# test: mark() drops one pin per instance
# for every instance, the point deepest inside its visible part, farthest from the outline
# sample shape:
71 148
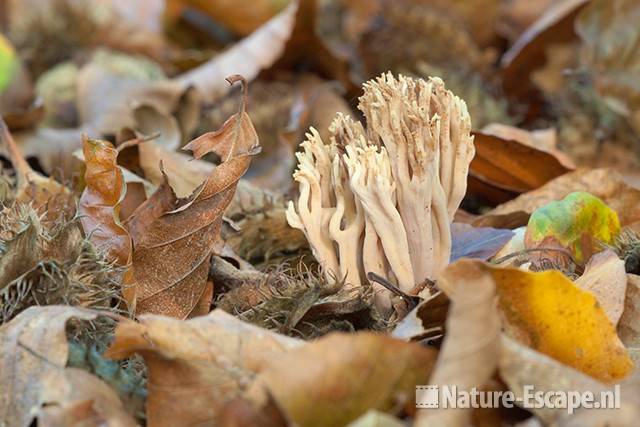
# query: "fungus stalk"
382 199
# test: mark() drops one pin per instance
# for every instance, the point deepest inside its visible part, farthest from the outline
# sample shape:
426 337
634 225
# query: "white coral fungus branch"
382 199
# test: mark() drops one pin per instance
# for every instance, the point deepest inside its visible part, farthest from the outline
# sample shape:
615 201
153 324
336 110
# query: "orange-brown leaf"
509 167
171 259
100 201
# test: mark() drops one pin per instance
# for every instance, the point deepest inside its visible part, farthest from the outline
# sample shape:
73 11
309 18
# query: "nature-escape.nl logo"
450 396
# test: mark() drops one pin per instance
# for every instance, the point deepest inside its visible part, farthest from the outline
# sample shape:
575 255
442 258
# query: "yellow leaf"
8 63
555 317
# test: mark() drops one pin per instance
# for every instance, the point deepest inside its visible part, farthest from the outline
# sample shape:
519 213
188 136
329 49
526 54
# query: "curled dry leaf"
183 171
336 379
606 184
115 92
33 356
503 168
248 57
467 356
198 365
171 260
101 199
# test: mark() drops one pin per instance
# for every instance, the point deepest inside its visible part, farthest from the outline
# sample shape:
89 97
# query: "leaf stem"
23 170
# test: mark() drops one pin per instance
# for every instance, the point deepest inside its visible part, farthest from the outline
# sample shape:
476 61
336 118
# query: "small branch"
17 159
411 301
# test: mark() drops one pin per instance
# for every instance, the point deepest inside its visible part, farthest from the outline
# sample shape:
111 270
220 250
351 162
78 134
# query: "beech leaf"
580 223
197 365
604 183
336 379
552 315
33 346
467 356
171 260
101 199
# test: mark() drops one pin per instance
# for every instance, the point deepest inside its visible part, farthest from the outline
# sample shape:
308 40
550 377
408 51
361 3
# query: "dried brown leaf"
629 325
198 365
33 346
605 278
336 379
467 356
101 200
606 184
34 188
241 20
171 260
509 167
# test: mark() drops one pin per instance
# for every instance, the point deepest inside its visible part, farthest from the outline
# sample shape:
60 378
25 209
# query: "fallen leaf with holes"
101 200
550 314
198 365
338 377
580 223
171 261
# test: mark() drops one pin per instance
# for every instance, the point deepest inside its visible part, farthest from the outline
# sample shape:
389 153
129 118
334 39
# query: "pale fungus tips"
381 198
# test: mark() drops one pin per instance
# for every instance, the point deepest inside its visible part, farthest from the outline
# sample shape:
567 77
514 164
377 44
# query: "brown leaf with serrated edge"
337 378
33 188
508 167
100 201
197 365
33 352
171 259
